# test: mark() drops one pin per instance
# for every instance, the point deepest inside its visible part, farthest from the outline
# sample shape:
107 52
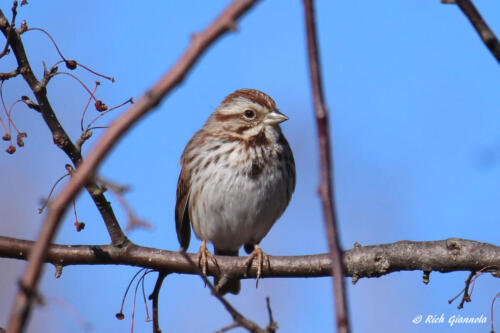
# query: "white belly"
232 209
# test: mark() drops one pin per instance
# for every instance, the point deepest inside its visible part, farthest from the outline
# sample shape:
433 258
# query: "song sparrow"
237 177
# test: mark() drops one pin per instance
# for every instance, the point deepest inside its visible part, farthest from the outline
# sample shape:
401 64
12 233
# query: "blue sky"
415 123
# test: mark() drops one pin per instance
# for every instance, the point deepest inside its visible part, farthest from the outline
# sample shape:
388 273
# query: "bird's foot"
203 255
261 257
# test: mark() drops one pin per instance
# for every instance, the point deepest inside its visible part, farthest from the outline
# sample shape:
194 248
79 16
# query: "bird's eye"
249 114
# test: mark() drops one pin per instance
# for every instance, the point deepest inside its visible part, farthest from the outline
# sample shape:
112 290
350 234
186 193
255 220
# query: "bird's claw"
261 257
203 255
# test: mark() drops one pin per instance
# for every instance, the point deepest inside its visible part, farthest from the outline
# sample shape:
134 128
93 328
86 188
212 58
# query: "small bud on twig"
100 106
59 269
23 28
11 150
20 137
29 103
79 226
71 64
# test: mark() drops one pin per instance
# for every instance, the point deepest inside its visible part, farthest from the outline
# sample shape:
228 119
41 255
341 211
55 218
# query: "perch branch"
449 255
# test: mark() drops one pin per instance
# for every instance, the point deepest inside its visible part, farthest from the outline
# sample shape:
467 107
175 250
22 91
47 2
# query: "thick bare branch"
226 21
449 255
326 185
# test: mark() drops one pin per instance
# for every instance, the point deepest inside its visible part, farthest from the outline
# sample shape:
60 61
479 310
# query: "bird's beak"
274 118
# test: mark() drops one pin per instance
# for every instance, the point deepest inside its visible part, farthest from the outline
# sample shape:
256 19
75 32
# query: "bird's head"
246 113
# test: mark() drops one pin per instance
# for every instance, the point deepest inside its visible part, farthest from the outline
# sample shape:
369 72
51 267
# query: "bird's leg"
261 256
203 255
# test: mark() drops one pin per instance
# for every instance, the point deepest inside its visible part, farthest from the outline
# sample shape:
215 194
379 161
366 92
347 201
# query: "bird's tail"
232 286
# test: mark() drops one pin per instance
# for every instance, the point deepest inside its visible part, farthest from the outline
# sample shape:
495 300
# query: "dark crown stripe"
253 95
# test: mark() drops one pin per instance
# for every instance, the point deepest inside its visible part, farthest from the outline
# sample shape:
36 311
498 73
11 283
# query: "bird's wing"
181 209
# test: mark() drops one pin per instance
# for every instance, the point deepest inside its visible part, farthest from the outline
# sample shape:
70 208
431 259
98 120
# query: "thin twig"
485 33
120 315
46 201
139 282
88 103
21 308
12 24
237 316
11 122
6 134
20 135
72 311
8 75
4 107
132 220
79 226
478 274
228 327
51 39
115 187
154 297
148 319
130 100
112 79
97 127
48 74
491 312
273 325
464 292
91 94
326 185
7 131
71 64
118 191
